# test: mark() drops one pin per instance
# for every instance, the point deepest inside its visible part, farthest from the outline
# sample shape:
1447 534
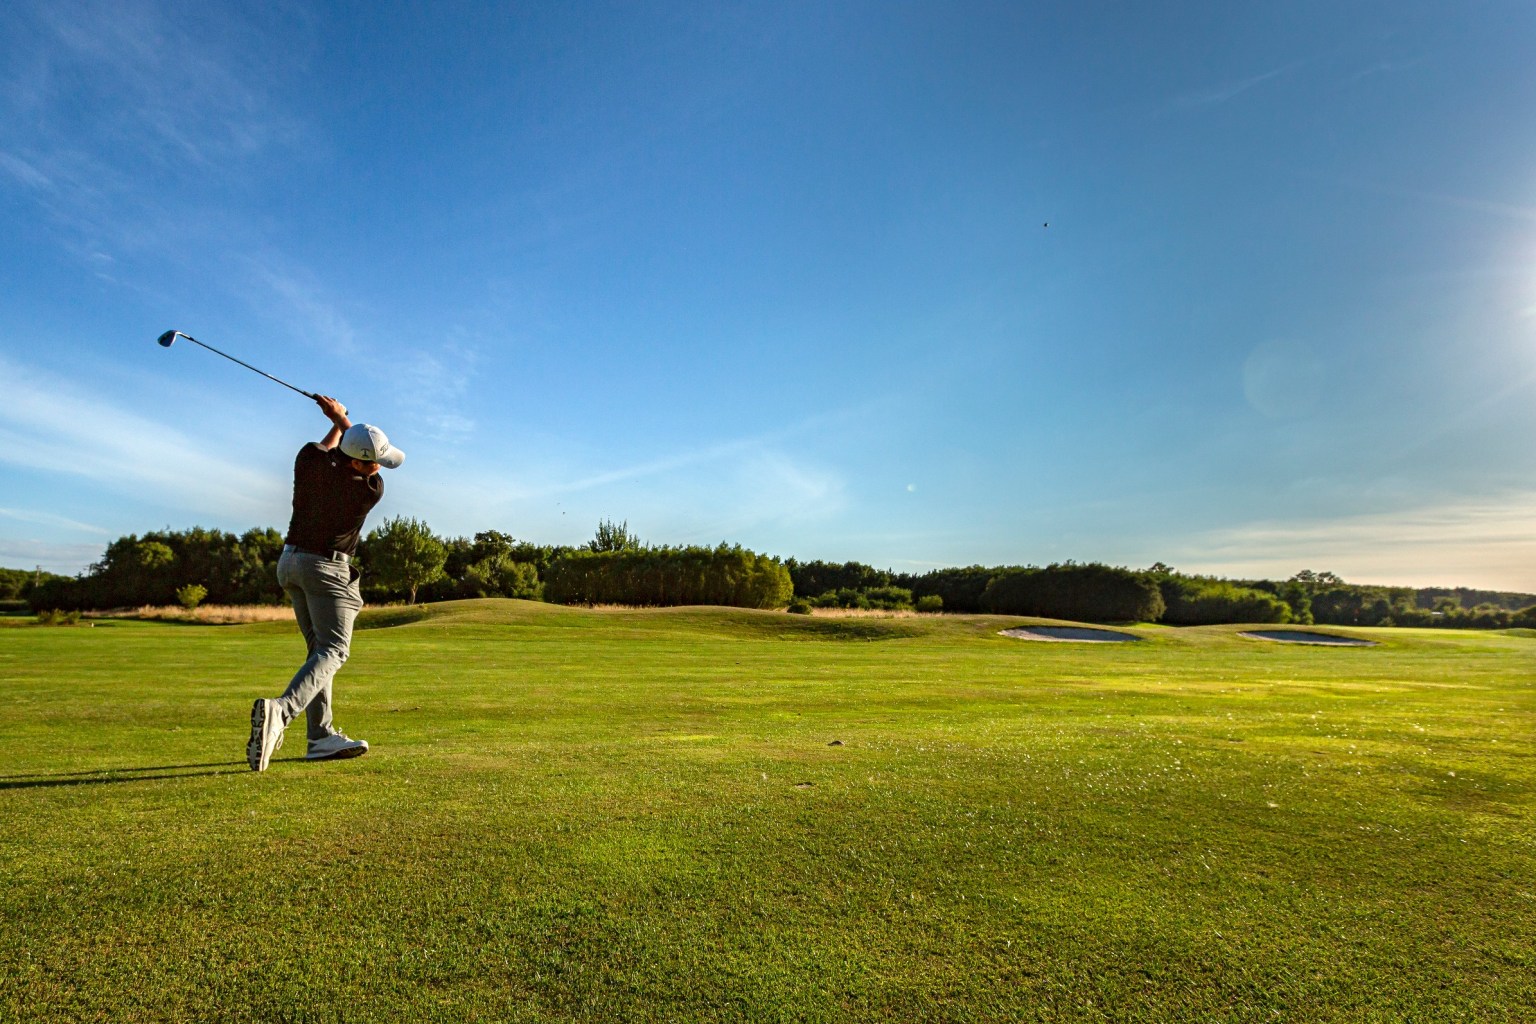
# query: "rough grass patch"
206 615
864 613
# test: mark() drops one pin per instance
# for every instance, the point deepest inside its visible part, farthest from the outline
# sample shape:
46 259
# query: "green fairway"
711 815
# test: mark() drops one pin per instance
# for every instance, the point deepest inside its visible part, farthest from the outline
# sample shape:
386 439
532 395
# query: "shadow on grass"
37 780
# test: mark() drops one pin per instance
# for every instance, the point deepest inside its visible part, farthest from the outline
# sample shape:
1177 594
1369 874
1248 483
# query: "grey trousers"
326 599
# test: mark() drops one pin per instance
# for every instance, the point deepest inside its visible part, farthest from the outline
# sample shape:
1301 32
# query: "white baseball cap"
367 443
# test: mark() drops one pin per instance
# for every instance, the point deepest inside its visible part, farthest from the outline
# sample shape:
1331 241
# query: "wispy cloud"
178 88
301 302
1387 67
1505 211
706 493
1225 92
1489 542
48 424
428 384
771 486
1489 207
115 107
663 466
431 386
22 515
24 172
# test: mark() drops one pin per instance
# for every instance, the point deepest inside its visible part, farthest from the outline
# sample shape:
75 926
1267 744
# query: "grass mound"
391 616
692 620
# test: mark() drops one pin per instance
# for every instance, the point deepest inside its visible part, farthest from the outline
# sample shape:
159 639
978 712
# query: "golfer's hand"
334 411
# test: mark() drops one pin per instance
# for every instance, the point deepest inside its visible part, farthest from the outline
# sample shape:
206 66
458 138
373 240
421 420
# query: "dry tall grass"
824 613
208 614
234 614
866 613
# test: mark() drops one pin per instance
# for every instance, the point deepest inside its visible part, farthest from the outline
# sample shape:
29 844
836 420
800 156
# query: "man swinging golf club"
335 484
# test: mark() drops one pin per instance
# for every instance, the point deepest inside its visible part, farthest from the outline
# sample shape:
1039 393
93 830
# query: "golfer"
335 484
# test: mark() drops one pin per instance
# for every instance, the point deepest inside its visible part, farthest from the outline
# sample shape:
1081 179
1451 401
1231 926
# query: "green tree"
812 579
152 555
406 555
614 538
253 577
490 543
1082 593
960 589
460 554
1201 600
1316 580
660 577
1300 600
500 576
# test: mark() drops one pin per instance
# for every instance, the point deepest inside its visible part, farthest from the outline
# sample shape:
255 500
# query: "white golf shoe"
266 734
335 747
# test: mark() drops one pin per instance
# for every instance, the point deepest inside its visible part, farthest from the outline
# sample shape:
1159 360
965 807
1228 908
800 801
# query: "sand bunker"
1070 634
1296 636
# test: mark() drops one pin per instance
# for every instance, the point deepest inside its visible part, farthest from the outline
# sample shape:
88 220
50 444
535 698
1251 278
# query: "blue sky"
781 275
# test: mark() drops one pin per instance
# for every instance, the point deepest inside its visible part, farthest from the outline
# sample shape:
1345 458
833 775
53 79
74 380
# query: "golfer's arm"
337 414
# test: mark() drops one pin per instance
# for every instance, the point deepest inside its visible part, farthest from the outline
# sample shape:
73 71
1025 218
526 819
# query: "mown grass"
710 815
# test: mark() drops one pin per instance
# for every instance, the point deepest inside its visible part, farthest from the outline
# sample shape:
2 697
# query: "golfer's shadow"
101 776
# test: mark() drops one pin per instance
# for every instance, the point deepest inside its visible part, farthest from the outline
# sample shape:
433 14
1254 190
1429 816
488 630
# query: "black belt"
339 556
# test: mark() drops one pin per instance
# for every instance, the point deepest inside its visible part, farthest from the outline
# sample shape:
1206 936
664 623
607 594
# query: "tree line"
17 585
135 570
666 576
404 560
1098 593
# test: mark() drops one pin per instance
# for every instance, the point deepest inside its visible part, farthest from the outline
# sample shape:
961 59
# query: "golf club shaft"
248 366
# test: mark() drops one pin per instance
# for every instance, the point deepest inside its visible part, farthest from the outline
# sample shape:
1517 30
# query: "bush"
961 590
930 603
660 577
55 617
816 578
1490 616
191 595
844 598
889 598
1197 602
1080 593
799 606
500 576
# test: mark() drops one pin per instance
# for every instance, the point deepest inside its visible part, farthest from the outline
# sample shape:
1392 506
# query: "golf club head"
167 338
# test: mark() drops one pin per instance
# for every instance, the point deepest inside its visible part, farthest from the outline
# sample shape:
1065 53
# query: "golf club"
169 337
